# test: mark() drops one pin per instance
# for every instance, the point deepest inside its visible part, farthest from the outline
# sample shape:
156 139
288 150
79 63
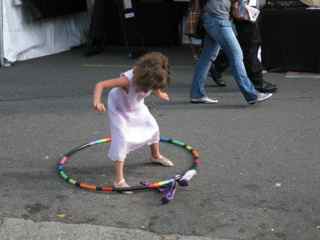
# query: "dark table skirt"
291 39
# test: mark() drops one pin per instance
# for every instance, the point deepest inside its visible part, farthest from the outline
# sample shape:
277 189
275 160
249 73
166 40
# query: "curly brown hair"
151 72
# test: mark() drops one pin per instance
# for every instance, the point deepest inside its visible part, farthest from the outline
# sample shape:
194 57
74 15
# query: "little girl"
131 123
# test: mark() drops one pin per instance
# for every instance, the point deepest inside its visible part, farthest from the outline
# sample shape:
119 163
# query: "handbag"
194 27
240 10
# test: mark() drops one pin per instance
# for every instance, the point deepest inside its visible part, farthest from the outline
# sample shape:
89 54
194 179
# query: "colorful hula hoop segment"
182 179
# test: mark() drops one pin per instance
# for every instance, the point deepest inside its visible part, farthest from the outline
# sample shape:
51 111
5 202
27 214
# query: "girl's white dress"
131 123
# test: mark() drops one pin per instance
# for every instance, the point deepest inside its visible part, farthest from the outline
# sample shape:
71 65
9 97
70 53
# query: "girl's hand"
99 107
162 95
100 86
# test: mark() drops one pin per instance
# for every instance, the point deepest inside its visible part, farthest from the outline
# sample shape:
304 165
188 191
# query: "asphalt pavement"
259 177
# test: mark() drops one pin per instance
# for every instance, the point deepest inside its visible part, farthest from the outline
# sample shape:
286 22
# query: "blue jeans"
220 35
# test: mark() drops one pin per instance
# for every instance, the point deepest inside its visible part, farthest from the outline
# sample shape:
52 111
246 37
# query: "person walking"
216 21
250 40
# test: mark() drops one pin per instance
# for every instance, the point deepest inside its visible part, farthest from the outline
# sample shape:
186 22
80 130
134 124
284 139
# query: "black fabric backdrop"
46 9
291 39
156 22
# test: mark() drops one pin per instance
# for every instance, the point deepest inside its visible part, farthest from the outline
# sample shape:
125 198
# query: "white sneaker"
162 160
261 97
204 99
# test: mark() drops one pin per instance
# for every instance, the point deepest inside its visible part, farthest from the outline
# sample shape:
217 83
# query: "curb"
16 229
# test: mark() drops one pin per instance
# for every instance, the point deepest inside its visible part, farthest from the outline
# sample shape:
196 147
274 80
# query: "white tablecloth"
25 39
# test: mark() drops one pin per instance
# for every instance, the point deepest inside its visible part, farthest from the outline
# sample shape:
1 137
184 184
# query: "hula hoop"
167 186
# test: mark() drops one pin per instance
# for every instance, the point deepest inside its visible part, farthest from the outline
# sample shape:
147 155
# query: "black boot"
93 48
266 87
216 77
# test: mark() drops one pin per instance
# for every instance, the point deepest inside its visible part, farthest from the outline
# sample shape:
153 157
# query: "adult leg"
217 68
221 30
97 31
250 40
210 51
104 26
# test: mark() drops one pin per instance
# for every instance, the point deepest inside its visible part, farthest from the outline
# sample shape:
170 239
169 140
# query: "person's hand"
164 96
99 107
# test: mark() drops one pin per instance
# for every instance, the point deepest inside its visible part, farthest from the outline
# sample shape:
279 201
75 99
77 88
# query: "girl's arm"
100 86
162 95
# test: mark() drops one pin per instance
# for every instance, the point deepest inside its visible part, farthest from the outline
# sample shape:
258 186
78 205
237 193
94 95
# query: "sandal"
122 184
163 161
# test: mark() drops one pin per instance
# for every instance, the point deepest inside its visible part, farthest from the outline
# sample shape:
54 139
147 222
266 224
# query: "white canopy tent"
1 34
23 39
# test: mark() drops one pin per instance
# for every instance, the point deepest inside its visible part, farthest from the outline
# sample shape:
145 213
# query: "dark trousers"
250 40
105 14
110 27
